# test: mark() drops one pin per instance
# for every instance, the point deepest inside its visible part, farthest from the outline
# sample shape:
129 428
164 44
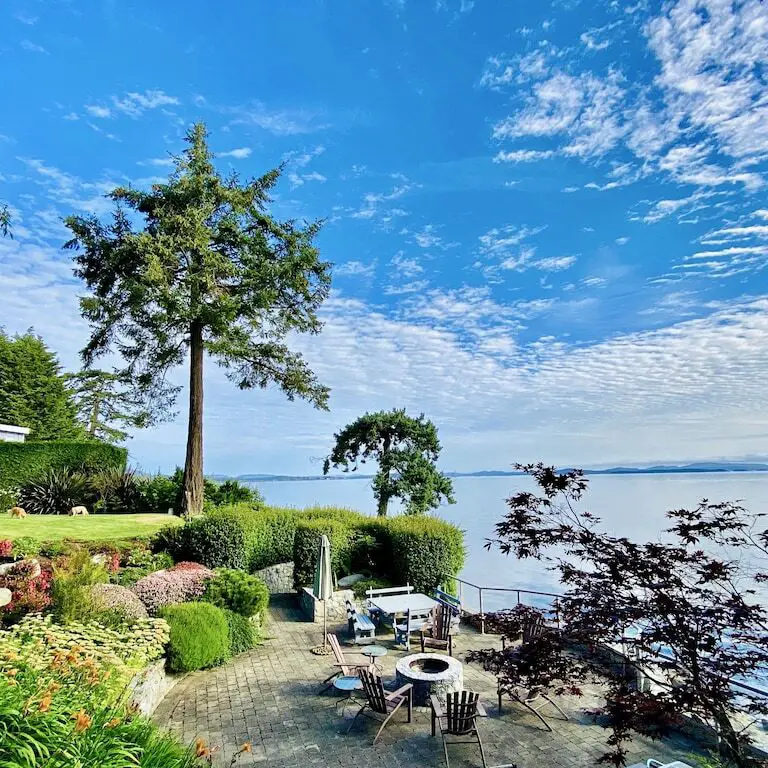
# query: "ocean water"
629 505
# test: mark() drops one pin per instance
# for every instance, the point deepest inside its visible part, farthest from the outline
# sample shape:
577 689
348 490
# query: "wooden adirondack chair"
343 665
459 718
528 698
380 702
438 632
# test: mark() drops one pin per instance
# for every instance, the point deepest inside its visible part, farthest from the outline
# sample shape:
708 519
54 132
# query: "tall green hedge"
307 542
21 462
423 551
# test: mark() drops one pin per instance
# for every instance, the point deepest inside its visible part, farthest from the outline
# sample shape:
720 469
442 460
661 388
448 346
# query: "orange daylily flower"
45 702
83 721
201 750
113 723
12 672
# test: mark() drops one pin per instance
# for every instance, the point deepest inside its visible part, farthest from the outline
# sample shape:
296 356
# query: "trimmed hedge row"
22 462
422 551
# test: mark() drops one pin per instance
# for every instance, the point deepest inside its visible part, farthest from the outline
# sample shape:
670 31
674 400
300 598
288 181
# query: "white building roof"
14 430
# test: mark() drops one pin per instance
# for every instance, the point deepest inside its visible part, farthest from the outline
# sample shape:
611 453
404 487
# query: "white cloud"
94 110
241 153
24 19
622 240
428 237
135 104
354 268
596 39
280 122
374 205
71 116
159 162
505 248
405 267
522 156
555 263
28 45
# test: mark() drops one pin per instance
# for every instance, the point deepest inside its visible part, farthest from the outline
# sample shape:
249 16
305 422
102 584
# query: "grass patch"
91 528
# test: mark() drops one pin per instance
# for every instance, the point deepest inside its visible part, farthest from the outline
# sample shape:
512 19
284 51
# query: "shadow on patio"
269 697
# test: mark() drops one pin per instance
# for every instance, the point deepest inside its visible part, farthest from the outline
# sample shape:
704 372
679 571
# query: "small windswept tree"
692 605
108 404
198 267
5 220
406 450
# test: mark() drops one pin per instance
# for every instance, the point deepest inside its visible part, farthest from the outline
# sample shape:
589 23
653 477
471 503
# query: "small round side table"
347 684
374 652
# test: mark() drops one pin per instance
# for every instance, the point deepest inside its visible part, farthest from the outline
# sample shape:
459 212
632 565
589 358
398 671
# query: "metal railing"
555 609
518 592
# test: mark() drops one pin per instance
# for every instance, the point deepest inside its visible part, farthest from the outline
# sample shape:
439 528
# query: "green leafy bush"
231 492
425 551
118 492
55 492
243 633
161 492
22 462
214 541
25 547
9 497
199 636
238 591
71 597
361 587
306 544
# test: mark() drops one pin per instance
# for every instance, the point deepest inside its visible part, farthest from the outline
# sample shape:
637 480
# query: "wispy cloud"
28 45
24 19
135 104
279 121
96 110
241 153
522 156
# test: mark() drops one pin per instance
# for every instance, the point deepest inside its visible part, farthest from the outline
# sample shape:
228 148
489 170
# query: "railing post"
461 596
482 615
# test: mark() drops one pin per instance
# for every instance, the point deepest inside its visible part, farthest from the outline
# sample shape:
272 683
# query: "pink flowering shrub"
30 593
176 585
6 547
186 565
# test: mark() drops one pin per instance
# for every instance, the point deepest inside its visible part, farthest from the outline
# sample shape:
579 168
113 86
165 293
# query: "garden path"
269 697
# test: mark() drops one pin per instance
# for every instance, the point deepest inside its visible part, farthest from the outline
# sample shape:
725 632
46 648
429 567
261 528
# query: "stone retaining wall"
336 606
148 687
278 578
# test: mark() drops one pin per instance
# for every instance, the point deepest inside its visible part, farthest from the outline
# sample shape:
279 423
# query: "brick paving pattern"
269 697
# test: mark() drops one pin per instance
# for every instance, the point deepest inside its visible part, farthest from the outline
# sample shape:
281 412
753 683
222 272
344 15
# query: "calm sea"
630 505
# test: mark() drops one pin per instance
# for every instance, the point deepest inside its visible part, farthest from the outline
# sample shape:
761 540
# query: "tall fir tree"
33 391
108 404
208 273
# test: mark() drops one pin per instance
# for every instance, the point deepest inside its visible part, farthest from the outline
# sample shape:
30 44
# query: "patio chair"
343 665
380 702
462 708
437 632
405 627
528 699
361 628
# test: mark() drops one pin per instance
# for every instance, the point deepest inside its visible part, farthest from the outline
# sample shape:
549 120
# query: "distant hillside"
658 469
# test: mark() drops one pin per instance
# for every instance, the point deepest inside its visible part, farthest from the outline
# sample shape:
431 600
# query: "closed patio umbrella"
323 586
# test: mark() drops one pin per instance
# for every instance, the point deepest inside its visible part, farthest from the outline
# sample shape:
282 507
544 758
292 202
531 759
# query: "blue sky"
549 220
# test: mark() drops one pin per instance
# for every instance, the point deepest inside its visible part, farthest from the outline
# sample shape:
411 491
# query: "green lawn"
51 527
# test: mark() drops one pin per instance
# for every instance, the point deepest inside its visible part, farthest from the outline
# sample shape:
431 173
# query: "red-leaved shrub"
176 585
6 547
29 594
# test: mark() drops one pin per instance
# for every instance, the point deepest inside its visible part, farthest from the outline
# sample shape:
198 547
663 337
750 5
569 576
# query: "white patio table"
396 605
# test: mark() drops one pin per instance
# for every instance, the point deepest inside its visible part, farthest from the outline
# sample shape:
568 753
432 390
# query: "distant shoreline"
658 470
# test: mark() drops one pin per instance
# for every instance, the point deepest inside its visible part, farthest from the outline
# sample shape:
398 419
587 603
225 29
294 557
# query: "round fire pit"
430 673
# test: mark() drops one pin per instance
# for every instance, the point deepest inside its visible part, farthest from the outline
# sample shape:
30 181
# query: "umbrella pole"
325 623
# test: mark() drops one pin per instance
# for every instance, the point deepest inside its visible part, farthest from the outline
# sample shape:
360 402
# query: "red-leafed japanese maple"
694 595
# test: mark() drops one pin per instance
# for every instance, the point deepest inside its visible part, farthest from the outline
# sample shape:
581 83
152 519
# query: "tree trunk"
193 466
385 468
94 422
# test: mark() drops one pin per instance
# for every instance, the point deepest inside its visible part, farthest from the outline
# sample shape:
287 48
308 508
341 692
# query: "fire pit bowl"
429 673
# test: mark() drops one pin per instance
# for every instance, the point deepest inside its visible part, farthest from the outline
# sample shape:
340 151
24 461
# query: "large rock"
36 570
278 578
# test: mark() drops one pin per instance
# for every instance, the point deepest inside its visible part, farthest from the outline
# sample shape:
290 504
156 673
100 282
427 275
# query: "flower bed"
183 582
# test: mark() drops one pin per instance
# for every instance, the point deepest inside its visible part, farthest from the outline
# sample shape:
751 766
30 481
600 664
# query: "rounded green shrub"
216 542
425 551
243 634
238 591
199 636
306 544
